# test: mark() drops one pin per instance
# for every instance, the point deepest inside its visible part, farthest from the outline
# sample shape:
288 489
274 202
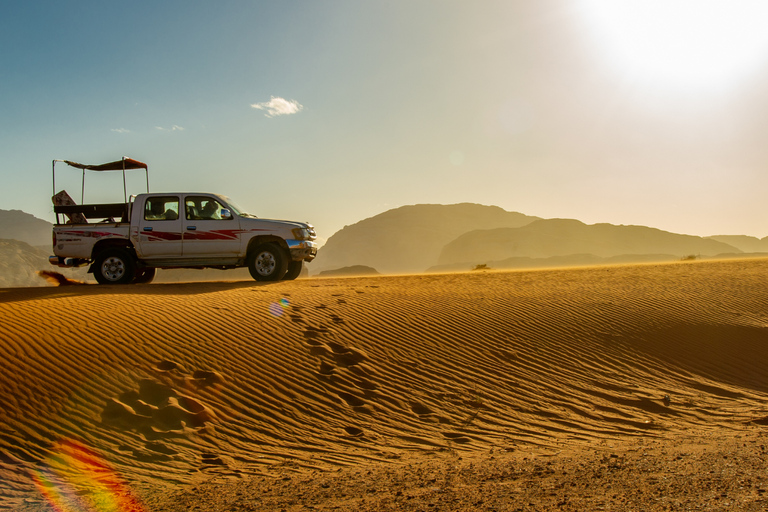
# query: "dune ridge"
172 384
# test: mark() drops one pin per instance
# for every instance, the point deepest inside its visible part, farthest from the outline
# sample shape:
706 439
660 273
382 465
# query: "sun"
693 45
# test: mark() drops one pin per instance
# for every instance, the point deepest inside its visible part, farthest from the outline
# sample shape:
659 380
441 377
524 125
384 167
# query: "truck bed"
116 211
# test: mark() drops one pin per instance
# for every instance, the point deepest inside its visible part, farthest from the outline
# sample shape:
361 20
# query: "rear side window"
162 208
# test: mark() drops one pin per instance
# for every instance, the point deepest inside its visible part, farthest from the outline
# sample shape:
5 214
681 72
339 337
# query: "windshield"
236 209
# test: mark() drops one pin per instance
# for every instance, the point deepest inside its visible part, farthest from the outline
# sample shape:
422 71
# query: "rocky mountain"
409 238
17 225
567 237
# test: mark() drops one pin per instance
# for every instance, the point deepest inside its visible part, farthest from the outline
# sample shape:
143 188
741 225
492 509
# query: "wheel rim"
265 263
113 268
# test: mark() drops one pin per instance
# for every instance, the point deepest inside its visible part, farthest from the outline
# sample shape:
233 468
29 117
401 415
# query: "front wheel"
267 262
114 266
294 269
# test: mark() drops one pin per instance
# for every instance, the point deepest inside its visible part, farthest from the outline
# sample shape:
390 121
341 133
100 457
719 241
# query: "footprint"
351 400
210 459
345 356
317 349
366 384
175 414
156 409
420 409
154 393
168 366
123 415
354 431
314 332
337 348
326 369
457 437
505 355
160 448
203 378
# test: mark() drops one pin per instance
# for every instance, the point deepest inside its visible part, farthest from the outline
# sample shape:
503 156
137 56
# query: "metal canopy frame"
123 165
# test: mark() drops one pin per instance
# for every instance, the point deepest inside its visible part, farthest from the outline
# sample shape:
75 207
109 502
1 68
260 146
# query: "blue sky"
527 105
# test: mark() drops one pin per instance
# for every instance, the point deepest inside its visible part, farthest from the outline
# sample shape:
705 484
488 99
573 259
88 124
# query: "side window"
203 208
161 208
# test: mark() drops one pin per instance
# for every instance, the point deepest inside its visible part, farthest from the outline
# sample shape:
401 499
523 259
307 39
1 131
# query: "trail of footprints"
347 370
338 365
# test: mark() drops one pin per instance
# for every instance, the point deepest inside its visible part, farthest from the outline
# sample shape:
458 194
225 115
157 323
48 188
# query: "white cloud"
174 128
120 130
279 107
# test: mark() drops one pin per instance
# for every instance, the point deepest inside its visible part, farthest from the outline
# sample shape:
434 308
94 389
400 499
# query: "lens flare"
77 479
278 308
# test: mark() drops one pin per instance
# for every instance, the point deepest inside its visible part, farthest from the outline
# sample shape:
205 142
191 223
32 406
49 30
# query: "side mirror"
225 214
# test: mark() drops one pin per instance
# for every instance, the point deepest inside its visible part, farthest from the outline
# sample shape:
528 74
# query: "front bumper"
302 249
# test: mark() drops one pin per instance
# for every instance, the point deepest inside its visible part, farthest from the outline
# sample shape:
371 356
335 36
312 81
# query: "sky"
334 111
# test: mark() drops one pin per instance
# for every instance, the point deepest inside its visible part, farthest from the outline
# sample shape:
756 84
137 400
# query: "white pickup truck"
125 242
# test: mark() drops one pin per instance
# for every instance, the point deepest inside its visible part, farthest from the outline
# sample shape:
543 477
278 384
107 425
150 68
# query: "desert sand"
609 388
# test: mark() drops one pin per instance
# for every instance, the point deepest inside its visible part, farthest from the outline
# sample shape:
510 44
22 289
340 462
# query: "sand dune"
122 395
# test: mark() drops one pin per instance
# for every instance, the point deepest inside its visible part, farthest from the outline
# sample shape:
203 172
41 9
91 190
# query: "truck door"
160 228
207 233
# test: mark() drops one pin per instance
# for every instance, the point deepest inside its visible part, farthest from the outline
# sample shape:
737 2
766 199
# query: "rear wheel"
144 276
294 270
114 266
267 262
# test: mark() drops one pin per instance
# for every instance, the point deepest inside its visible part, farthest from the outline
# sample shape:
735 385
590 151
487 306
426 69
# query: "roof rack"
123 164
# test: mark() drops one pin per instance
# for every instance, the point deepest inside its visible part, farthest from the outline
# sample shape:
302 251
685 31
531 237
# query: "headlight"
301 233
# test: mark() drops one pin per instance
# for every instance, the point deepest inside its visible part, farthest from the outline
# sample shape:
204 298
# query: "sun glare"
688 44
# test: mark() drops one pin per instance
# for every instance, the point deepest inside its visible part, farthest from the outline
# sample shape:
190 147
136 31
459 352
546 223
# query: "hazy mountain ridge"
409 238
743 243
533 243
18 225
19 263
564 237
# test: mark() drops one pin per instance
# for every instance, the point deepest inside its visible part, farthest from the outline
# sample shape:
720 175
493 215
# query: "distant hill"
743 243
566 237
355 270
19 263
409 238
17 225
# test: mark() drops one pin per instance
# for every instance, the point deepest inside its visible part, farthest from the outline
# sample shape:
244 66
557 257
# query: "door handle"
147 228
191 228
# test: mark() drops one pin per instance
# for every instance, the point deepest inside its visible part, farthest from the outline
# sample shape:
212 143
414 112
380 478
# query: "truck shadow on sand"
65 287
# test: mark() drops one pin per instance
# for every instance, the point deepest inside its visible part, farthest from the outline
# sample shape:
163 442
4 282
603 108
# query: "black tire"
114 266
294 270
268 262
144 276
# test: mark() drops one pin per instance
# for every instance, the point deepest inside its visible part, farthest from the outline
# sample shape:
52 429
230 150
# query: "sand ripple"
170 383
